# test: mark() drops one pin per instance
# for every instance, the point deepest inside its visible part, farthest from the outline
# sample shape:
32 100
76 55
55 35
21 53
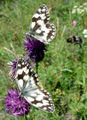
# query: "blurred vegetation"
63 72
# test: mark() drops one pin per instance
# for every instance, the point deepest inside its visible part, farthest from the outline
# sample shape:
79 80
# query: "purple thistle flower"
16 105
13 69
35 49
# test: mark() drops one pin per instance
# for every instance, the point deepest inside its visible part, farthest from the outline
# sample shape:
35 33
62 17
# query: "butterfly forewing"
28 84
25 73
40 28
41 14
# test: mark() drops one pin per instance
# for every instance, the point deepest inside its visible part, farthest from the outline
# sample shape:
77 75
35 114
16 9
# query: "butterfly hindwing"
40 28
40 99
28 84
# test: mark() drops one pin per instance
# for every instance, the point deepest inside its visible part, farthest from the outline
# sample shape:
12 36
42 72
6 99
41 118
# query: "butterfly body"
40 28
29 86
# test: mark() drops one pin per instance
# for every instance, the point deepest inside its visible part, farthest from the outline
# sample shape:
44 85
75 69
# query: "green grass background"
63 72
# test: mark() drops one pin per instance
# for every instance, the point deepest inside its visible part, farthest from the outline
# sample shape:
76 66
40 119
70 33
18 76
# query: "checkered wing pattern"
28 84
40 28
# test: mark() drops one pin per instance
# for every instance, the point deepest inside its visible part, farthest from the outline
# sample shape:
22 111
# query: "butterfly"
29 85
40 28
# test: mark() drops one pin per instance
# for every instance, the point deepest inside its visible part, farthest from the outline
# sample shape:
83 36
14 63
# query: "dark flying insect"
75 40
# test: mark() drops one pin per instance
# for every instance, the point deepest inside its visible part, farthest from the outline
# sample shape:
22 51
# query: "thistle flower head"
35 49
16 105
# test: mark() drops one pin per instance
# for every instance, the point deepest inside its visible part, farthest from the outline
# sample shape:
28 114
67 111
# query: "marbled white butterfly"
29 86
40 28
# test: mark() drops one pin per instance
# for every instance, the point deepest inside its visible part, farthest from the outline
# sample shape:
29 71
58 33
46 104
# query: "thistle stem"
26 117
16 118
37 68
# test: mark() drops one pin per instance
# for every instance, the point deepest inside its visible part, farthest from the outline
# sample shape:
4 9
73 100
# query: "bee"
75 40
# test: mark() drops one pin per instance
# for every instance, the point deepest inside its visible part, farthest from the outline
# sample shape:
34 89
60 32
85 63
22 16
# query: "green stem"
25 117
82 61
37 68
16 118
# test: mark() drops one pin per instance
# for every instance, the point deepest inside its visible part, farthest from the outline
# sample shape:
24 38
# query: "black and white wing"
40 28
28 84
